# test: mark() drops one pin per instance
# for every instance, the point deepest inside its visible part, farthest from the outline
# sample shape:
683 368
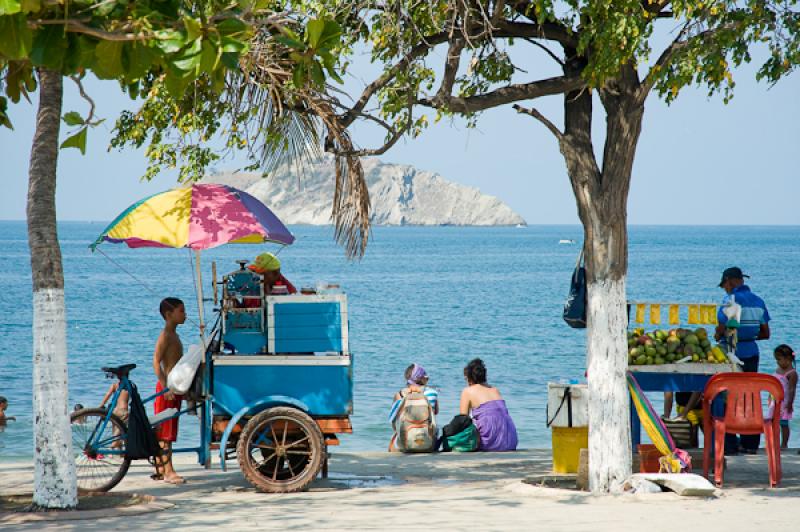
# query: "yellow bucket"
567 445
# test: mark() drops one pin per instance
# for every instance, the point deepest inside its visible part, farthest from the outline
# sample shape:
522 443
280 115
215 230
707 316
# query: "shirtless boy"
167 353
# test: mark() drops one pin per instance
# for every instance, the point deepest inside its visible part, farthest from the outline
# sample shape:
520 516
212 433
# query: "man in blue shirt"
753 326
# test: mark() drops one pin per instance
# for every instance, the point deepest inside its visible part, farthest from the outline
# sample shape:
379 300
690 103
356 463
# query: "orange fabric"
743 415
166 430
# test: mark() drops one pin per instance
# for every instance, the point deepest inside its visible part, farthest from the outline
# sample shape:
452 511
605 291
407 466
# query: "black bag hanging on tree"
575 307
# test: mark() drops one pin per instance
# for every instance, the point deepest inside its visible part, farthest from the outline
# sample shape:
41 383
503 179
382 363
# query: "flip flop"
157 476
175 480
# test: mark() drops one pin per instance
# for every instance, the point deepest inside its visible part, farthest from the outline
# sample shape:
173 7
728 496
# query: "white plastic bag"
180 378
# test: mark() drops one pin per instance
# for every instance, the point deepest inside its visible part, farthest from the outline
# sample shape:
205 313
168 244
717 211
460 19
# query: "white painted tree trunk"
54 477
55 484
609 408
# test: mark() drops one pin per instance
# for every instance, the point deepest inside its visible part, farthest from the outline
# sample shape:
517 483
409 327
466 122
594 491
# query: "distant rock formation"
400 195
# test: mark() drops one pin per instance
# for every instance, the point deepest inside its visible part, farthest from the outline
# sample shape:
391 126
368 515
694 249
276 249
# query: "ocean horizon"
435 295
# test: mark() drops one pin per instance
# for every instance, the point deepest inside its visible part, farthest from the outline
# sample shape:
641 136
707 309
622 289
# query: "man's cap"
733 272
266 262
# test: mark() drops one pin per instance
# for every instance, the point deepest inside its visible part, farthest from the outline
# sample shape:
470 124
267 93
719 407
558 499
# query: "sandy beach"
381 491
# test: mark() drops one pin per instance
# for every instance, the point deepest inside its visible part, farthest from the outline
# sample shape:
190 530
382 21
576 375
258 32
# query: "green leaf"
103 9
9 7
193 28
80 54
314 31
31 6
137 60
218 80
299 76
176 82
230 60
49 47
317 74
16 40
78 140
4 120
108 60
209 58
170 41
73 118
232 27
188 62
291 43
331 33
229 44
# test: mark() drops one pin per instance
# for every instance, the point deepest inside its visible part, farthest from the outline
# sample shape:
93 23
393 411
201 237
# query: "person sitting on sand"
488 409
3 417
269 267
417 381
167 353
422 426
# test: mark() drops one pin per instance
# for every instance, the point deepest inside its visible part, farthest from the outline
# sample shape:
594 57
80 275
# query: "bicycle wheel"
97 469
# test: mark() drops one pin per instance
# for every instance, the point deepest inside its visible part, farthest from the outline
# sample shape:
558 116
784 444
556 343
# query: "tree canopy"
598 42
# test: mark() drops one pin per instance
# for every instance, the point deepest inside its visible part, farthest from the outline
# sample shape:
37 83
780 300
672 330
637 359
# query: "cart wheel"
96 468
281 450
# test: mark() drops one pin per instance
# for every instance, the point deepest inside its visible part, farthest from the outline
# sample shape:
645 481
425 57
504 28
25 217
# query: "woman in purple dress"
488 409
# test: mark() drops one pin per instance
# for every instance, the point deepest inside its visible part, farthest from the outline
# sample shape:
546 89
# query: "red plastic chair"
743 415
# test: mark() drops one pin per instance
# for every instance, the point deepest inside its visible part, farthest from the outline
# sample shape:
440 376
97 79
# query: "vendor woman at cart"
269 267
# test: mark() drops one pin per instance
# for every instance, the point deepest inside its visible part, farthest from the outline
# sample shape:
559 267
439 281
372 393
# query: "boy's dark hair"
168 304
476 371
3 400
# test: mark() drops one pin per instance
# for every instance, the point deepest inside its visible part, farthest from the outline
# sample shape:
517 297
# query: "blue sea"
438 296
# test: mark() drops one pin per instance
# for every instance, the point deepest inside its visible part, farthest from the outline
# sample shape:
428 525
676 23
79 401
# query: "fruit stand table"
685 377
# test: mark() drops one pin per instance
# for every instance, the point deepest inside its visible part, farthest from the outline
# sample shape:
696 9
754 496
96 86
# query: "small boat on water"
566 241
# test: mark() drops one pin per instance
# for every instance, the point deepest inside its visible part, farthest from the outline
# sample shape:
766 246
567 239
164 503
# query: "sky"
699 161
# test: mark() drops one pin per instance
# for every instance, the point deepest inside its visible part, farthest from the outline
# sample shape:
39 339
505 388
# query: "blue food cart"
276 384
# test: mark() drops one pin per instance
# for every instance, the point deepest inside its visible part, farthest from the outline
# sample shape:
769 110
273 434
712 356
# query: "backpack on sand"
415 425
460 435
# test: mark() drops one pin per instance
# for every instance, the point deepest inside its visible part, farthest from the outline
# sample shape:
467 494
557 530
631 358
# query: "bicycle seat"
120 371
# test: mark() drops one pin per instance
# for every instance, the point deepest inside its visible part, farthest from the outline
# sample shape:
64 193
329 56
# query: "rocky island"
400 195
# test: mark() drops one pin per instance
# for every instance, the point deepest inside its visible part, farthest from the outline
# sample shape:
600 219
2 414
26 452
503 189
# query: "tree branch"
76 26
669 53
548 31
665 57
451 64
541 118
546 49
88 121
370 90
396 134
507 94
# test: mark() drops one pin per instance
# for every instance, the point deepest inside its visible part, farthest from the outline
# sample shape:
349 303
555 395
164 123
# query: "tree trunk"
55 484
607 362
602 196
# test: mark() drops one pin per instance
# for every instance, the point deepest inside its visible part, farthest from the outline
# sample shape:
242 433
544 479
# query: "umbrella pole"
199 291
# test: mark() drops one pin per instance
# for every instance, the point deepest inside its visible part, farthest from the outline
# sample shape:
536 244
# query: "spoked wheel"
100 460
281 450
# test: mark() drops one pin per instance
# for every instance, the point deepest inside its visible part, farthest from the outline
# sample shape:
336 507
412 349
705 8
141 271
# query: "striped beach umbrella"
674 460
196 217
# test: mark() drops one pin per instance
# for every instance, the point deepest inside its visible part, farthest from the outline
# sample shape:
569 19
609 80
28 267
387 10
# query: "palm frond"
286 126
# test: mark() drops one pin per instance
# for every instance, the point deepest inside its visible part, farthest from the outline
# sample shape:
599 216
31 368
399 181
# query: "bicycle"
99 437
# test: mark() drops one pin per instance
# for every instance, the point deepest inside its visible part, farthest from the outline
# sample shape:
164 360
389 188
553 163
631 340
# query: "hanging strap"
567 397
580 259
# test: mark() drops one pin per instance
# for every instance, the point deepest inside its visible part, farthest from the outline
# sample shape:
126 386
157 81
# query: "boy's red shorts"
167 430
